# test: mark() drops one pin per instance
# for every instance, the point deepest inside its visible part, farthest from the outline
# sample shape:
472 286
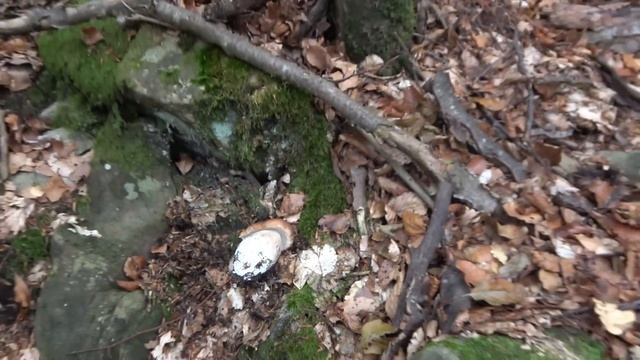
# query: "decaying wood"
413 298
454 112
4 149
466 186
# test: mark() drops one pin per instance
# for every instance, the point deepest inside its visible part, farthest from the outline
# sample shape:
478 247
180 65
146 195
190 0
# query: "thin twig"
523 70
400 171
413 298
455 113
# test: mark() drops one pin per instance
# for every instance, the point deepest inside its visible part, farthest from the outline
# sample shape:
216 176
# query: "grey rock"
628 163
81 141
80 306
24 180
160 75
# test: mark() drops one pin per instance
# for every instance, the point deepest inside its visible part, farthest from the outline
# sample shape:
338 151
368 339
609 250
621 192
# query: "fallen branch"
413 298
58 17
454 112
400 171
467 187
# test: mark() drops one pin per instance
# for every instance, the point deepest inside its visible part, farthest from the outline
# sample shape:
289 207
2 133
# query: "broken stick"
413 298
454 112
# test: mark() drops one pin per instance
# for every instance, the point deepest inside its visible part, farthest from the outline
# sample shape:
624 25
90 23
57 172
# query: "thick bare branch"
453 111
57 17
466 186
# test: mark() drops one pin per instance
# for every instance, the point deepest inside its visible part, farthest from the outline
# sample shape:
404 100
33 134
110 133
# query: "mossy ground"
502 347
90 70
85 77
258 98
300 342
28 248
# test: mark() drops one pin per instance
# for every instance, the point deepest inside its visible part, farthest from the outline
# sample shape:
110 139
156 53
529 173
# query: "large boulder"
80 306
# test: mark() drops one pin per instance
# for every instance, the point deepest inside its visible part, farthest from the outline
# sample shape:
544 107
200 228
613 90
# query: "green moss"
91 70
83 204
301 342
28 248
579 343
301 303
75 114
487 348
122 146
374 30
272 114
170 75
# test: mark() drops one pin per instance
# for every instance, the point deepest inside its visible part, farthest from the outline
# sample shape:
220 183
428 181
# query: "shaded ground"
544 83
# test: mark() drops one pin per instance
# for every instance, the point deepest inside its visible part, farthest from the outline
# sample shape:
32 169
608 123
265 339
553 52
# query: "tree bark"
370 27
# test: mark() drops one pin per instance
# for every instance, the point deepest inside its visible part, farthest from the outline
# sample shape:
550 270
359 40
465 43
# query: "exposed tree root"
466 186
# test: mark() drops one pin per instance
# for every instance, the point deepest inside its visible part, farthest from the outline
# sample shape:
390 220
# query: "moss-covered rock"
28 247
275 127
375 27
560 345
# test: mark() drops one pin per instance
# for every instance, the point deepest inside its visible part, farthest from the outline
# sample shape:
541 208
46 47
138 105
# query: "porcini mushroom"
261 246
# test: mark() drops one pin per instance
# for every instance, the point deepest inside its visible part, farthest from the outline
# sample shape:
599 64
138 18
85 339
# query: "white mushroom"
261 246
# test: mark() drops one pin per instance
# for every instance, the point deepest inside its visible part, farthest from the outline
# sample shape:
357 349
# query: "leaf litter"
565 252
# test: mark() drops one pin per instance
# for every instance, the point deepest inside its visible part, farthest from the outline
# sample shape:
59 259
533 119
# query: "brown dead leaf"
185 164
550 281
628 236
473 274
133 266
338 223
291 204
316 55
499 292
55 188
403 202
492 104
91 35
517 234
481 40
551 153
546 261
529 215
128 285
413 223
628 213
13 122
602 191
21 292
159 249
631 62
479 254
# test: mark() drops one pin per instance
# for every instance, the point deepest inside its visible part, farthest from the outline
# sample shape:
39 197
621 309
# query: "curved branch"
467 187
57 17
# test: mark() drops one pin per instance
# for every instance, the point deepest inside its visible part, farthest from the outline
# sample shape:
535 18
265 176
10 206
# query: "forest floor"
556 85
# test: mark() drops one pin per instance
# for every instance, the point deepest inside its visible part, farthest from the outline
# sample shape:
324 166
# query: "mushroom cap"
261 246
